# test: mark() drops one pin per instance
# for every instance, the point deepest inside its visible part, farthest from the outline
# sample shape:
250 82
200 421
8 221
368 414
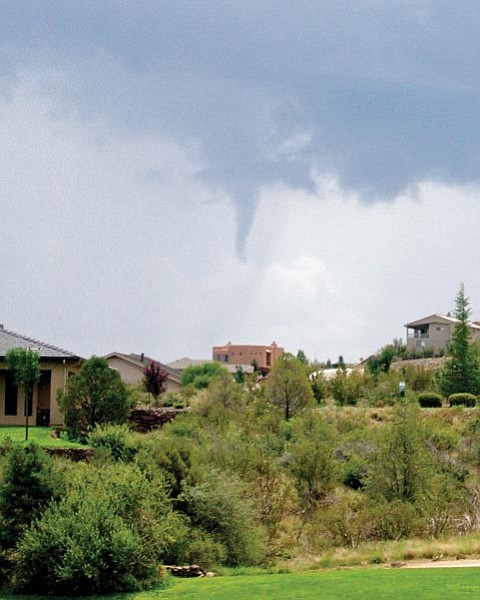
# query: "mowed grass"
40 435
371 584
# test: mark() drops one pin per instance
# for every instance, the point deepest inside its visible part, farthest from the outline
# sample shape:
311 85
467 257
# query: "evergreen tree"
461 373
97 395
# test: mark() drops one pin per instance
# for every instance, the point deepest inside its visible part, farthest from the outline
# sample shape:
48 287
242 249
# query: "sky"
179 174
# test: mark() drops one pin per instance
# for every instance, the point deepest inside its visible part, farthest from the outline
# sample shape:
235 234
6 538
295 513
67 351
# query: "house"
263 356
56 365
181 364
434 332
131 366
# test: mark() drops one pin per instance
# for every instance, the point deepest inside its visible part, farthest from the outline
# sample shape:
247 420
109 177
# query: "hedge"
462 400
430 400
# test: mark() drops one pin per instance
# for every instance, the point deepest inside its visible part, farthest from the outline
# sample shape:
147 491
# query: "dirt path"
440 564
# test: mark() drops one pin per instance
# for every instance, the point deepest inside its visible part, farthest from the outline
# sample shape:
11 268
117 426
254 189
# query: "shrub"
354 473
117 440
200 376
218 507
462 399
29 484
430 400
81 546
174 399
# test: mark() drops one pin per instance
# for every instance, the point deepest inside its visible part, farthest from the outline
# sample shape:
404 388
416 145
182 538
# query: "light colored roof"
182 363
436 318
136 359
10 340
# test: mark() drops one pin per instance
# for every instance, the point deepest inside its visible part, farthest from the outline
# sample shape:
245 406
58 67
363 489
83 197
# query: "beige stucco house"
55 367
131 366
434 332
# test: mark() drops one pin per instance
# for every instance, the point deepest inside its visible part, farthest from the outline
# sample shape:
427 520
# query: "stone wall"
144 420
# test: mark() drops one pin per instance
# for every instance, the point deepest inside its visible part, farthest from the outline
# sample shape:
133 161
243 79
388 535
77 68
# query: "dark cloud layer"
381 95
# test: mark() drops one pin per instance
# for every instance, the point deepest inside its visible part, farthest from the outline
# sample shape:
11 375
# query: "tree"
461 372
319 386
382 360
95 396
287 386
200 376
154 379
400 466
25 368
345 388
302 357
311 460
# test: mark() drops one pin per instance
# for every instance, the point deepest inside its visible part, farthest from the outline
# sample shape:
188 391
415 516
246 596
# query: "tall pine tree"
461 372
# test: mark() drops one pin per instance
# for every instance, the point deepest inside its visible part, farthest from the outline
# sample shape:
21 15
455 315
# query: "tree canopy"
287 385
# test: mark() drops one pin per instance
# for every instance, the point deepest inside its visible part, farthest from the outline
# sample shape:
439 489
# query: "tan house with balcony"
56 365
434 332
263 356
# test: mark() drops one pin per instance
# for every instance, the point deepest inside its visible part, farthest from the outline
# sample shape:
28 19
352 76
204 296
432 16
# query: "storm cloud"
381 95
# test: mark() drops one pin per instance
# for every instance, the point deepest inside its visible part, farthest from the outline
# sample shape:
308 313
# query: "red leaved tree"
154 379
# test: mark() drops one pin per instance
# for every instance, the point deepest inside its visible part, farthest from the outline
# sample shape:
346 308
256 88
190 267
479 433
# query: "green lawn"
371 584
40 435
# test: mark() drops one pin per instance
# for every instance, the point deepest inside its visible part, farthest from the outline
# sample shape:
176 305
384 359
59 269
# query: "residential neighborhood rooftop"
140 360
438 318
10 340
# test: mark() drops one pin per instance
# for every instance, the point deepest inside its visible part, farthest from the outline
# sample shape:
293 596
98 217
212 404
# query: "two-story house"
434 332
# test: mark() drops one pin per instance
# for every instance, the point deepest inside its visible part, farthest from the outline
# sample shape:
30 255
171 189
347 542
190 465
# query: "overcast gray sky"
177 174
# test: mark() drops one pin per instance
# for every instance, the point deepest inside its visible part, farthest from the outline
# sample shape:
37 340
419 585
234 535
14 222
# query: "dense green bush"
29 483
116 440
430 400
109 533
462 400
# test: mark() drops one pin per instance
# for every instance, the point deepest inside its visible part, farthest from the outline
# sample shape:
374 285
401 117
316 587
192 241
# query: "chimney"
142 356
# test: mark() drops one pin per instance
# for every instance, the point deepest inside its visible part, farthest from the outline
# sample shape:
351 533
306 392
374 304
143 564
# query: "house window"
221 357
11 394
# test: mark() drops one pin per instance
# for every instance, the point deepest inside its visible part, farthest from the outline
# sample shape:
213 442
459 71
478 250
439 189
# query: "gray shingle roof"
10 340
